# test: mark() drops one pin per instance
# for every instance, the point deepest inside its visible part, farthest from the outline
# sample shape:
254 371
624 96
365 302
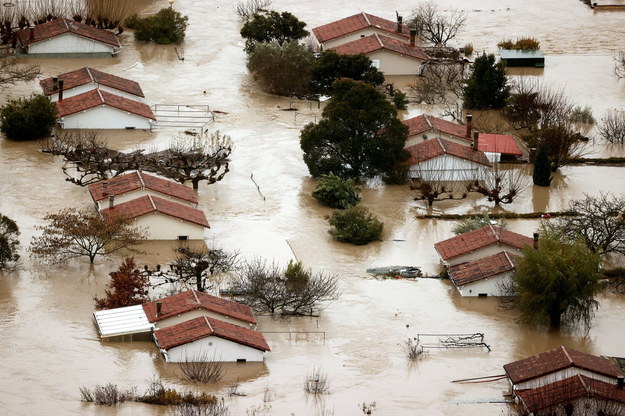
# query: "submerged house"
125 188
442 160
98 109
164 219
487 276
66 37
521 58
359 26
426 127
209 339
389 55
86 79
480 243
499 147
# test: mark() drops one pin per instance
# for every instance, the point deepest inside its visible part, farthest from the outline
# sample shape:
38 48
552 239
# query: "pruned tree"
599 222
619 63
72 233
439 83
291 291
272 27
128 287
561 144
501 185
436 26
433 182
9 242
612 127
12 72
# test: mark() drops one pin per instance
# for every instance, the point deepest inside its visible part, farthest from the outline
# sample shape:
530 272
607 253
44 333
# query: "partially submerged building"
519 58
488 276
499 147
426 127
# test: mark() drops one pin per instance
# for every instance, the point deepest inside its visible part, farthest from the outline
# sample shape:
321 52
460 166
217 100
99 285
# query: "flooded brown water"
49 347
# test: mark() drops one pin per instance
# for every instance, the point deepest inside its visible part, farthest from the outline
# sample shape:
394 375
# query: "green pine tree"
542 167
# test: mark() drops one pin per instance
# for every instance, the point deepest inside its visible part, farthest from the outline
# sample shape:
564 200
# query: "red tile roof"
432 148
484 268
377 42
148 204
425 123
558 359
87 75
355 23
482 237
498 143
202 327
192 299
96 98
139 180
567 391
61 26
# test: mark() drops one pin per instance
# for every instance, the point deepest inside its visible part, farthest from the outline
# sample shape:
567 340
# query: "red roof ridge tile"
379 40
197 300
207 322
427 120
442 145
366 18
566 353
141 179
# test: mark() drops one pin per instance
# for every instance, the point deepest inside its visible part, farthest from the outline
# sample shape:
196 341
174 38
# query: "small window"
375 63
130 127
241 360
183 237
483 295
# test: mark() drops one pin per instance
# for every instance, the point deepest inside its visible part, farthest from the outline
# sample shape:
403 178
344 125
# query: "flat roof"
122 321
519 54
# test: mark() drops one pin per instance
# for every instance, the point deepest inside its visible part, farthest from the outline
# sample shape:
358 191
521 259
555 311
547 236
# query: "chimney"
620 382
60 90
413 36
105 188
400 23
476 137
536 241
55 83
159 308
469 125
111 201
31 33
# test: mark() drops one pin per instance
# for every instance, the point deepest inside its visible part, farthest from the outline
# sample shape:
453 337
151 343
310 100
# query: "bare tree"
202 368
501 185
247 8
441 83
435 181
435 26
619 63
612 126
11 72
317 382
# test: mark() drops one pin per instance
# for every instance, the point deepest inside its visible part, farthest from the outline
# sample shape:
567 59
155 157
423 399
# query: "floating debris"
408 272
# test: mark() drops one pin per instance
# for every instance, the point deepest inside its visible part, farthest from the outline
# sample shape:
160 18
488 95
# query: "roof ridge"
566 353
100 94
90 74
508 258
441 145
497 236
379 40
197 300
153 205
427 120
209 324
581 379
366 18
66 25
141 179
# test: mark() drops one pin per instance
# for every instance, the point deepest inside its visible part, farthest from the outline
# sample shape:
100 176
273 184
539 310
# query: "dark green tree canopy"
542 167
487 87
331 66
336 192
28 118
359 135
165 27
9 242
272 27
557 282
356 225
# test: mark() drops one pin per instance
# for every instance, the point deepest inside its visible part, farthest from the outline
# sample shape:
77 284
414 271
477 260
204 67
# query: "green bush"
28 118
336 192
523 44
356 225
165 27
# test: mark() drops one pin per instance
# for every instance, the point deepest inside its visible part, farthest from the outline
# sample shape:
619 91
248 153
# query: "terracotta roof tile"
355 23
376 42
425 123
484 268
87 75
138 180
558 359
193 299
437 147
482 237
202 327
498 143
61 26
147 204
97 97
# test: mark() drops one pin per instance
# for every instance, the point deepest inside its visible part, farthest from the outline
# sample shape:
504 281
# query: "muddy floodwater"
49 347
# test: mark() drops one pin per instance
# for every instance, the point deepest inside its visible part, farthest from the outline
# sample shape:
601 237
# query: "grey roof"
122 321
518 54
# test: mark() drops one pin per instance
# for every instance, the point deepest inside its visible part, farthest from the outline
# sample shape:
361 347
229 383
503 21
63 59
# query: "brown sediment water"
49 347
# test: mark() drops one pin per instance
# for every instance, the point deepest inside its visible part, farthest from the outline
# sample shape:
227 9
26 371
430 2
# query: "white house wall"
213 348
333 43
482 252
164 227
104 117
432 134
92 86
392 63
446 168
69 43
196 313
138 193
490 286
561 375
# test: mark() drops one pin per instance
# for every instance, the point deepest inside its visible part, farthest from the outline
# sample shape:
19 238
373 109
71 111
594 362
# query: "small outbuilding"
129 323
389 55
87 79
487 276
208 339
98 109
426 127
499 147
164 219
64 37
480 243
359 26
125 188
518 58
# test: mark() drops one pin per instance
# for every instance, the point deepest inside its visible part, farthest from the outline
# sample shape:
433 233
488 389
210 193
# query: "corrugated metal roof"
122 321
